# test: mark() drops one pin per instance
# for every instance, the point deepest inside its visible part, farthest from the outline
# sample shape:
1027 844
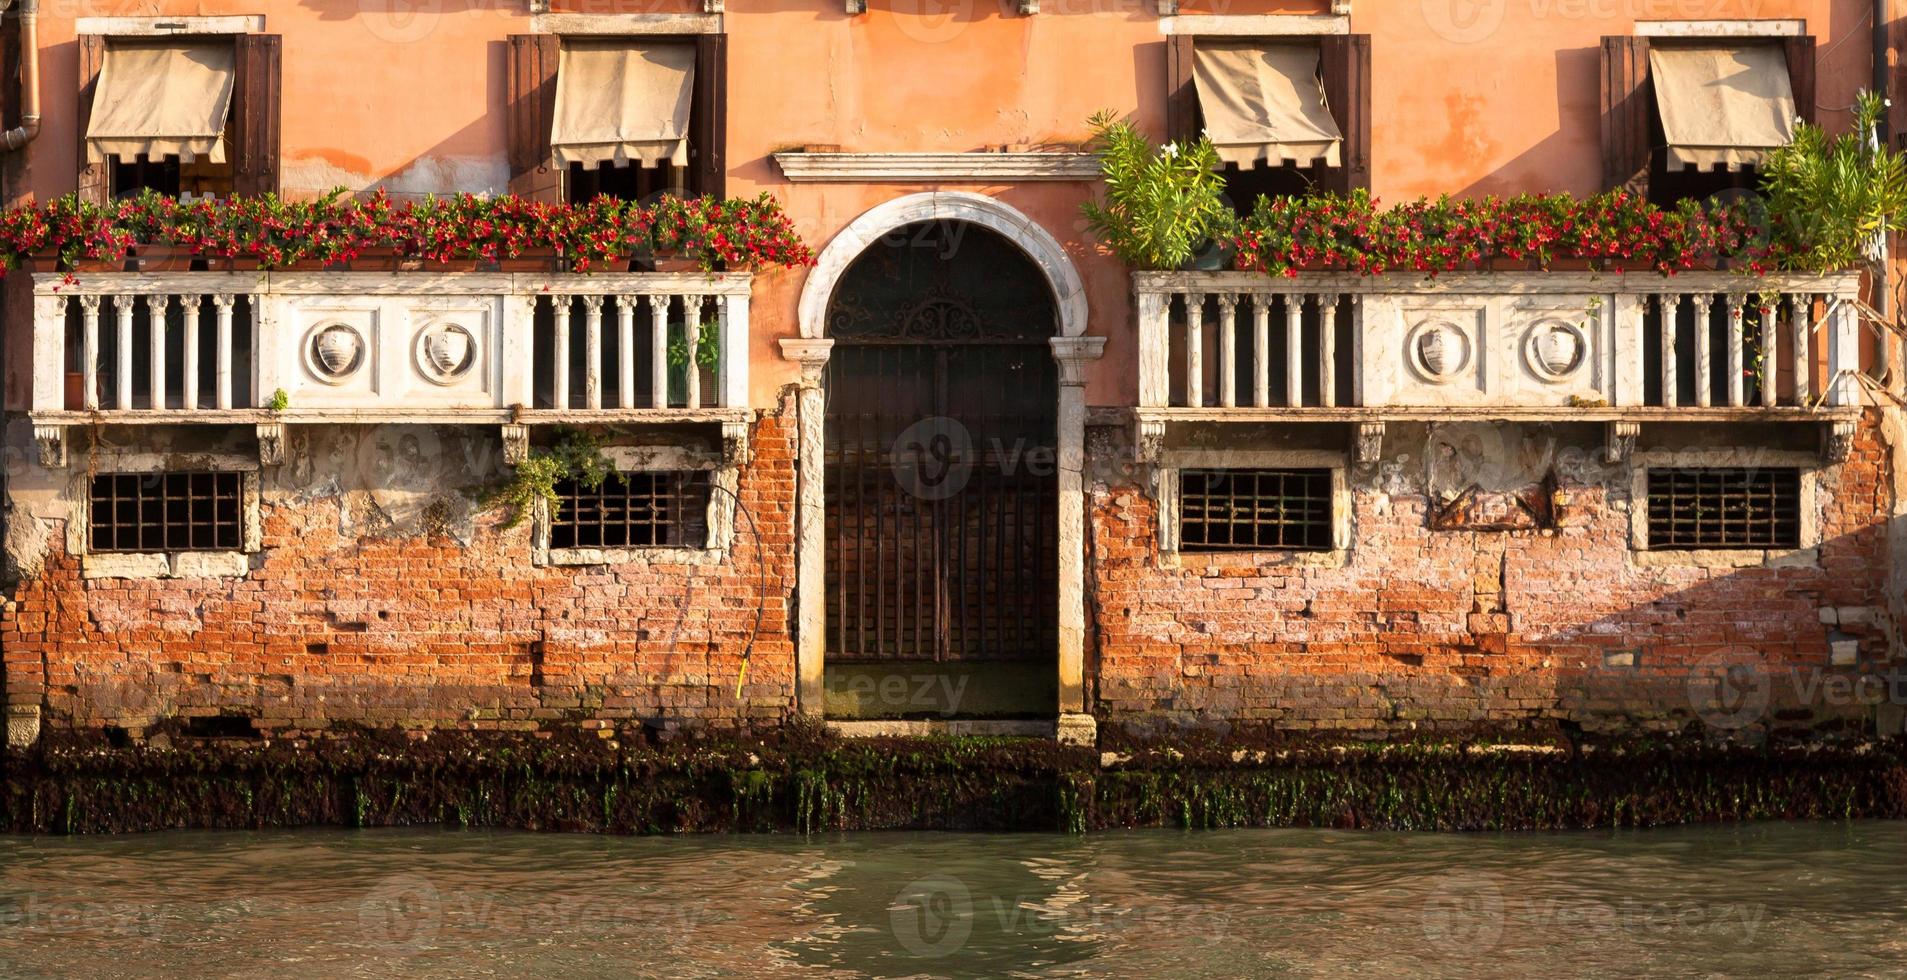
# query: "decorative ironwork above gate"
942 281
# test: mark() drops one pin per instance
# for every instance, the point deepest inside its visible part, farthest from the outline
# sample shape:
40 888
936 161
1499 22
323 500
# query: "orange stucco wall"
1470 97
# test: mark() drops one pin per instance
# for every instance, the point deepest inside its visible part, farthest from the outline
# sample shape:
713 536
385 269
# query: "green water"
1756 900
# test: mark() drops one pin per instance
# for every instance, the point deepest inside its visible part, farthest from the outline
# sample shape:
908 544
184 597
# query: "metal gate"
940 482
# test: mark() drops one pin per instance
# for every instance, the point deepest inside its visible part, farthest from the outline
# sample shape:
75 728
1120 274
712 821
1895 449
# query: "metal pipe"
1881 77
19 136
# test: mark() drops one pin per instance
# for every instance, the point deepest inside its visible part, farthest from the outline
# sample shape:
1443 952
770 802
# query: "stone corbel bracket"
1837 441
734 443
1148 442
1168 8
1029 7
516 444
51 440
1367 445
712 6
1619 440
271 443
856 7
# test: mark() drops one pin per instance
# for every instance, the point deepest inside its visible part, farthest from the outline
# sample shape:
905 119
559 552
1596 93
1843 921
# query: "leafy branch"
1161 205
575 456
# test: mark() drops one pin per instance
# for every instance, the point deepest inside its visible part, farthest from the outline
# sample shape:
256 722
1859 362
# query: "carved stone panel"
1557 351
1437 353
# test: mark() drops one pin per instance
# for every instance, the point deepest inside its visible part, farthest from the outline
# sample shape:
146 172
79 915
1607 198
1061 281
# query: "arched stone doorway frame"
1072 349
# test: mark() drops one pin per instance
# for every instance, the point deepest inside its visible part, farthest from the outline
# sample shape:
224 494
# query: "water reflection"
1766 899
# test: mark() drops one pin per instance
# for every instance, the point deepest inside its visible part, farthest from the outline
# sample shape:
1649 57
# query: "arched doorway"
940 479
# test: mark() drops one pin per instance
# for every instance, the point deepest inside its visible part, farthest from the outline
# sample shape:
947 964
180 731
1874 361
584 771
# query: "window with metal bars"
158 512
634 510
1724 508
1255 510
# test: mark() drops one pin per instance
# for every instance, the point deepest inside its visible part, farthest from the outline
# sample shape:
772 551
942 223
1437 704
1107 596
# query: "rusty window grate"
634 510
146 512
1251 510
1724 508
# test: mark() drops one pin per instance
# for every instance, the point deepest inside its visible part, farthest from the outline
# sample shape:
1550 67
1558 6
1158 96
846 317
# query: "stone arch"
1069 294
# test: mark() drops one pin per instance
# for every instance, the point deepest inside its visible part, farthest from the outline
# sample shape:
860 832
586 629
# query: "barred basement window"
1724 508
634 510
1252 510
159 512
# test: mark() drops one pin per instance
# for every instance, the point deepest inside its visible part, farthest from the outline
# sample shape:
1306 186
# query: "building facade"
966 471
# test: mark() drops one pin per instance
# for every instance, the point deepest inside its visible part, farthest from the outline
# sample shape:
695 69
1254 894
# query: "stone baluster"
1228 350
89 352
626 350
692 342
564 319
189 306
1736 327
1194 350
1704 358
1800 309
222 366
659 350
1294 350
1328 348
1668 307
122 374
1260 349
1765 368
593 352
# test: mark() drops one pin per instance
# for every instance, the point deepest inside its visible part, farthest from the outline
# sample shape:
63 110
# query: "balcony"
515 350
1623 350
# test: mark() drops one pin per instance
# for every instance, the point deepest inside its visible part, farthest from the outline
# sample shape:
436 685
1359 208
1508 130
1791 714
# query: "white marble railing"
481 346
1218 343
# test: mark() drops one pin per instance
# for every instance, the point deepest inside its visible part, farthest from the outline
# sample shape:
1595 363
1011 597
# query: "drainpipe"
19 136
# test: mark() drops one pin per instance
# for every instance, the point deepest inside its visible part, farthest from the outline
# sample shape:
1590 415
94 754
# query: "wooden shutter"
1181 94
257 86
1345 61
1800 52
530 106
95 179
708 117
1628 104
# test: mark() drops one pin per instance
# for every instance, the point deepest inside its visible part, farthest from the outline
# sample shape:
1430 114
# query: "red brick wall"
1445 630
422 629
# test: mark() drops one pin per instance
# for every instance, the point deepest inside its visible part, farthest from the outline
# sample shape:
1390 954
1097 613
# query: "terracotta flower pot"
524 263
448 265
231 263
84 264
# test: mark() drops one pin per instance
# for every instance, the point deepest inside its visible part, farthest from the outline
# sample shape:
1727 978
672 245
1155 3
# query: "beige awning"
162 100
618 102
1263 103
1722 105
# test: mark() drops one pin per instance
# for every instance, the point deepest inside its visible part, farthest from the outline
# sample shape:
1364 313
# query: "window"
166 512
1724 508
626 116
184 115
634 510
1287 114
1255 510
1692 117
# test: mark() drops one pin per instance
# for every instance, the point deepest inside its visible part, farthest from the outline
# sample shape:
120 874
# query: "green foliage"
708 347
576 455
1161 204
279 401
1828 196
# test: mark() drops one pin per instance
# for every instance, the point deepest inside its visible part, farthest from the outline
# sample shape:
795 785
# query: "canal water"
1765 899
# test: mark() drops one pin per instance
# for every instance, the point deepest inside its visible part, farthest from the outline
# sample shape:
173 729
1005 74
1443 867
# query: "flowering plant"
1615 231
277 233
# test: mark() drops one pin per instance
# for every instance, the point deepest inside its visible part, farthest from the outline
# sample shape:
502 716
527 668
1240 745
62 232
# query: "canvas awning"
162 100
1263 103
1722 105
618 102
